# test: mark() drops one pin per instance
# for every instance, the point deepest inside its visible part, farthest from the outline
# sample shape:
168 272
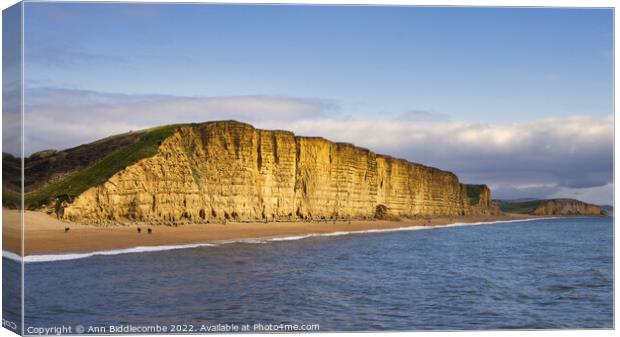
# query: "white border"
486 3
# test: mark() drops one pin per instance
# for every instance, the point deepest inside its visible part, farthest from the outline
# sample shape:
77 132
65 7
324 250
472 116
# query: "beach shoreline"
44 234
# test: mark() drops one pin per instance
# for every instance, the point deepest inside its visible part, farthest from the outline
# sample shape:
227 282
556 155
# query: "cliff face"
480 200
567 207
230 170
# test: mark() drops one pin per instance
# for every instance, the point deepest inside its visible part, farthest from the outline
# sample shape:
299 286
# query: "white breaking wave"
75 256
291 238
11 256
145 249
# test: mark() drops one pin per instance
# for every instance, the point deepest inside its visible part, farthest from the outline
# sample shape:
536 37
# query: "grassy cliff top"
77 182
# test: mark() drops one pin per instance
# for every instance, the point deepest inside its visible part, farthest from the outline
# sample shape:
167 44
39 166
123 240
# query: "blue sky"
499 72
485 65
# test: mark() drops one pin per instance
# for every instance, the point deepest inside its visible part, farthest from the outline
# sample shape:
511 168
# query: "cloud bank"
549 157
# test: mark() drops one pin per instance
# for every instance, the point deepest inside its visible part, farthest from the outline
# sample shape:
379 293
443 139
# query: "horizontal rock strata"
232 171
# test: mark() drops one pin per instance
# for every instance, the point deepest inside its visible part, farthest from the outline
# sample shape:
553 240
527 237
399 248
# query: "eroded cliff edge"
230 170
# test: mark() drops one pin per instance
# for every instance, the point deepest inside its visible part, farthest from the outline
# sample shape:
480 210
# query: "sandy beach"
45 234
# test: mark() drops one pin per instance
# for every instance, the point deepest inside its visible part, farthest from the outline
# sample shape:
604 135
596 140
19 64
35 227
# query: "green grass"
524 207
101 171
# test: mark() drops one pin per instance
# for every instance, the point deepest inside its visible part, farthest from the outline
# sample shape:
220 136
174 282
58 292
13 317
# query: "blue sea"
541 274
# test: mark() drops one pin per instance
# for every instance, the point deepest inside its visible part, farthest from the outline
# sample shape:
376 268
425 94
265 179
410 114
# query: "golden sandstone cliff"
231 171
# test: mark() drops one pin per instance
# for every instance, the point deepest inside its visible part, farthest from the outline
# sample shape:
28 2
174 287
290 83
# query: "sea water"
541 274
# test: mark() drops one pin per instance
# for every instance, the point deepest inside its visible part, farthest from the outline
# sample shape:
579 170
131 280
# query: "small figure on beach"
139 230
150 231
67 229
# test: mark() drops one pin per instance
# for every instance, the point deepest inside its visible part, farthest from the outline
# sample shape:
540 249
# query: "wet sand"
45 234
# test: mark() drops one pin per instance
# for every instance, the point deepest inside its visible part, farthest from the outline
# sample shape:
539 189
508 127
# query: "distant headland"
562 207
